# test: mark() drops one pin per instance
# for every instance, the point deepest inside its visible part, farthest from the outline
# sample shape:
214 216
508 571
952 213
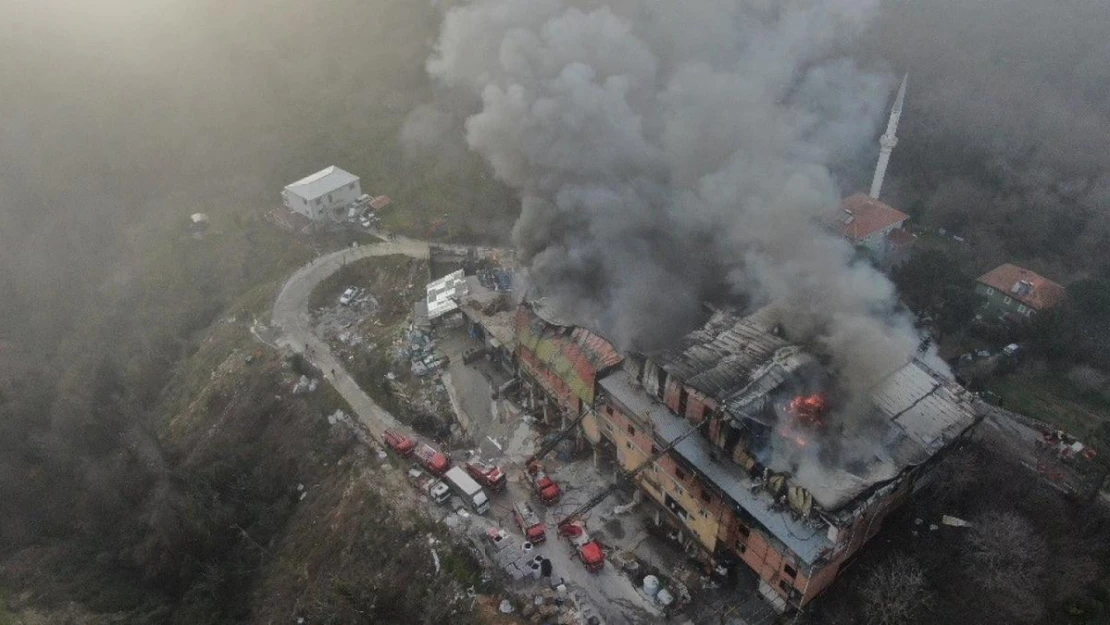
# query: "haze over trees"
119 118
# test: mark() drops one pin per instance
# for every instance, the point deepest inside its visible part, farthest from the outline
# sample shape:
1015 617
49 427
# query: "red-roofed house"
1011 292
875 226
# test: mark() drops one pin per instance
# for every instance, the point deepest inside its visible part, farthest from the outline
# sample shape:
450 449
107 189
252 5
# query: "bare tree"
1007 558
895 592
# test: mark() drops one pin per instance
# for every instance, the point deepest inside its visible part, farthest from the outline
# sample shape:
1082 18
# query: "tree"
895 592
1006 557
932 284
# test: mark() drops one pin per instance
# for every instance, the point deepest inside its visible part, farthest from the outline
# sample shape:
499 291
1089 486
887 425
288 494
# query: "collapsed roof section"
746 364
719 357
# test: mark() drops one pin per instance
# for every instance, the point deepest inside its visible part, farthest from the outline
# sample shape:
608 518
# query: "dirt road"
291 316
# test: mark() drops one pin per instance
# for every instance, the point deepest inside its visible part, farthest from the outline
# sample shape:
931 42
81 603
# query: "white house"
323 194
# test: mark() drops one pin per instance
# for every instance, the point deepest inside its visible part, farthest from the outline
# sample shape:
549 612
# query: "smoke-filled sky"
668 153
672 153
120 111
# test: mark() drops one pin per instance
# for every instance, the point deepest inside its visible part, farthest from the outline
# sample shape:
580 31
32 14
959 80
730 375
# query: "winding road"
609 592
291 316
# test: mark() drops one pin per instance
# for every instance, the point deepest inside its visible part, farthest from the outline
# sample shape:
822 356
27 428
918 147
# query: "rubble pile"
496 279
419 348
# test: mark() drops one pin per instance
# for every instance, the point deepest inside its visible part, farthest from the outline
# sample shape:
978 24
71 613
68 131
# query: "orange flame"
809 409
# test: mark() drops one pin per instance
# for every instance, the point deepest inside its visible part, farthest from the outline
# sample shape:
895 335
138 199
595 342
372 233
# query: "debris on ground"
305 385
954 521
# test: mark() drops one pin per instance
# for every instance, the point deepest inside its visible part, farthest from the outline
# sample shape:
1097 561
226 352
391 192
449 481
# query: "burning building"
789 475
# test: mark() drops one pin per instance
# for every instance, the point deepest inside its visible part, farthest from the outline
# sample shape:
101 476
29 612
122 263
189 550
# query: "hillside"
258 509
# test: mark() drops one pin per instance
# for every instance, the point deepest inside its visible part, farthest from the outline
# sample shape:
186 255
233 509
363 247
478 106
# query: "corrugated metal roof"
718 358
575 355
321 183
930 410
742 363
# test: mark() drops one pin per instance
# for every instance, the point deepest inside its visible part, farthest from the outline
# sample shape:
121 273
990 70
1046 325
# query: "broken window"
680 474
661 382
674 507
631 430
654 449
683 396
706 412
789 571
743 530
741 547
705 496
785 585
609 410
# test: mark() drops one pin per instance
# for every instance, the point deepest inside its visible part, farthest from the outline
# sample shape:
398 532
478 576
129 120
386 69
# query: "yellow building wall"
591 428
701 520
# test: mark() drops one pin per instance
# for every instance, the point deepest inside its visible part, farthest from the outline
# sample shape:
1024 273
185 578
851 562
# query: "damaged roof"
805 540
741 361
576 355
492 310
718 358
916 412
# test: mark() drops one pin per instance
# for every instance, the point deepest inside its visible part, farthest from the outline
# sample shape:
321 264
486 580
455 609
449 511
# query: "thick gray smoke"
671 153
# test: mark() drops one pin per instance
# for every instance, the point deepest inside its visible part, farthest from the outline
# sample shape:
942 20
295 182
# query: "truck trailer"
465 487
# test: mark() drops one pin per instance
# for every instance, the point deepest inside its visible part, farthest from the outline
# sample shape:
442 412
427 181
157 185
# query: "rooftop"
492 309
718 358
1027 287
444 294
321 183
913 413
804 539
863 215
576 355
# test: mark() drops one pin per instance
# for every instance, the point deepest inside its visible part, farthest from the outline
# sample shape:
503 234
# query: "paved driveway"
291 317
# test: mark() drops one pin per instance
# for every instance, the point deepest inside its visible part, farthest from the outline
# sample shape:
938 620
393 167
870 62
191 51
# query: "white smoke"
668 153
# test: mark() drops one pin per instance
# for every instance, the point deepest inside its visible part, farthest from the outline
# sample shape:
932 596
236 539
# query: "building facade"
325 194
1012 293
729 498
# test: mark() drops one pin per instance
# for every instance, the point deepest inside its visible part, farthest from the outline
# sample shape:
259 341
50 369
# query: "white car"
364 221
349 295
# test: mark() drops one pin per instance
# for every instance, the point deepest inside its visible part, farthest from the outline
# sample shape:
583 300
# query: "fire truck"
432 459
488 475
543 486
589 551
530 524
399 443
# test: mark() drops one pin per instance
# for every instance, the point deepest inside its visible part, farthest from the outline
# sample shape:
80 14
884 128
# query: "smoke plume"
668 154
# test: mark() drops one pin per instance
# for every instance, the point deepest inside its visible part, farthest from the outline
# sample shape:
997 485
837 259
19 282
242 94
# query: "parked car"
349 295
